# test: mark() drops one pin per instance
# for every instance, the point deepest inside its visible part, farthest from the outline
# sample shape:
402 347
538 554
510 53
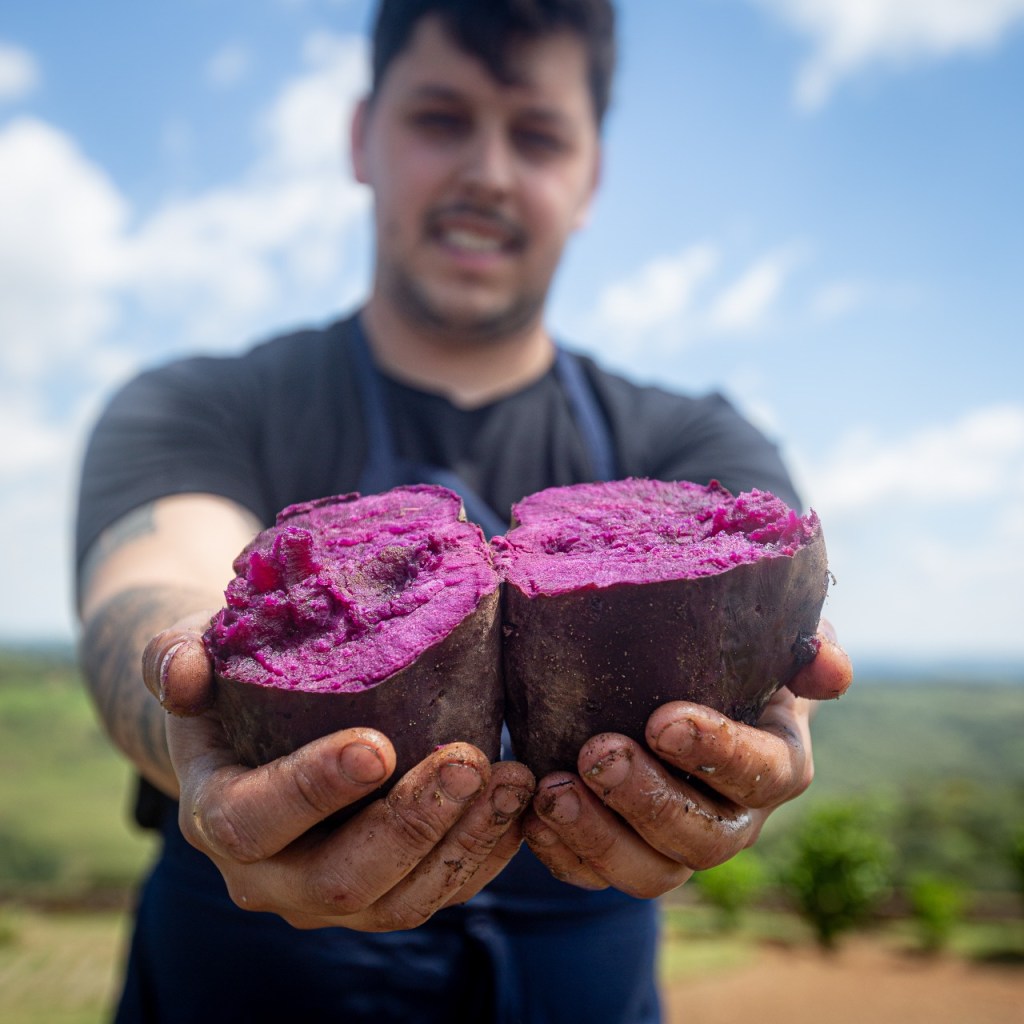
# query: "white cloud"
975 458
659 292
850 35
679 300
19 72
745 304
838 298
228 66
232 253
61 251
202 270
925 534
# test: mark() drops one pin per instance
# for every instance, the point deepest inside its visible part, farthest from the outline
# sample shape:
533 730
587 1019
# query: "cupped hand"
643 820
444 830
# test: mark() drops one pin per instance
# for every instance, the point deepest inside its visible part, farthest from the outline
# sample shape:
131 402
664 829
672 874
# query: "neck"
468 373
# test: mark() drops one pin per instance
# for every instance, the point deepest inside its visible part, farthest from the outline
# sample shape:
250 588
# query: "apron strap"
384 468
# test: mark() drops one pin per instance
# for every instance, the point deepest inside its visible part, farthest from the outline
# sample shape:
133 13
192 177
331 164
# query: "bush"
731 887
838 872
937 906
1015 856
25 861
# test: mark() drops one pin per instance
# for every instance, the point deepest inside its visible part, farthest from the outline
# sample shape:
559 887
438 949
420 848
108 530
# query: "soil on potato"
862 983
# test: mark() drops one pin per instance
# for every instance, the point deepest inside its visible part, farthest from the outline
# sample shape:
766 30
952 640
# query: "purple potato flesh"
619 597
378 611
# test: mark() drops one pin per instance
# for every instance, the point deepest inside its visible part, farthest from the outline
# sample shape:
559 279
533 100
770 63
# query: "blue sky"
812 205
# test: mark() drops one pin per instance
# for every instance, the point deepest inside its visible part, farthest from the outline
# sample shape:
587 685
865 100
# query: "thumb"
830 674
176 668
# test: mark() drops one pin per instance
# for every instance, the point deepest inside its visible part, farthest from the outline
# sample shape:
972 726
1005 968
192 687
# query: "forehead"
549 72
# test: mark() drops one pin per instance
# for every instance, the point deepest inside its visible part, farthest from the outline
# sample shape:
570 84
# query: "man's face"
477 184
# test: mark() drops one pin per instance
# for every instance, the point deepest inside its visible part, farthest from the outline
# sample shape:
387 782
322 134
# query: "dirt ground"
863 983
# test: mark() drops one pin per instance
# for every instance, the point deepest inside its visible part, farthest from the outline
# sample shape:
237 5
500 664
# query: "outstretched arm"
444 830
155 565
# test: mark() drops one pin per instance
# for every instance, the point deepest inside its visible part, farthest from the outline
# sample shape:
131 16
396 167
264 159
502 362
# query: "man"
480 142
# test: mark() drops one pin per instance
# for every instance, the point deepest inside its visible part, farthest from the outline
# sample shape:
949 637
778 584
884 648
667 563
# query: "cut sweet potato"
377 611
621 596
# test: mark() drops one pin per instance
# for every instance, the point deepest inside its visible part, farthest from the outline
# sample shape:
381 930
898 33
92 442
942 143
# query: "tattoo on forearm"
111 659
137 523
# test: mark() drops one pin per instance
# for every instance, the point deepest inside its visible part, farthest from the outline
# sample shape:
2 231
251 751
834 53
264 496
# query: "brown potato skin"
602 659
452 692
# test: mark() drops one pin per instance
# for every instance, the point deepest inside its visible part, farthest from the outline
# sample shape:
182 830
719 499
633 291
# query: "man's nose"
490 163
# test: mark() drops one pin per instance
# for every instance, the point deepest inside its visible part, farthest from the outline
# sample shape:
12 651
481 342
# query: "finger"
247 815
563 864
455 860
497 860
176 668
751 767
344 873
609 847
829 674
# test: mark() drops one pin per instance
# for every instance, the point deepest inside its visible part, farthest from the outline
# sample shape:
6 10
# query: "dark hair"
486 28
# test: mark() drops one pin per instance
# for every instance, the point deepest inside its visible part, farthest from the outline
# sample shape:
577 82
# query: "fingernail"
459 781
508 801
565 805
165 667
612 769
677 737
361 764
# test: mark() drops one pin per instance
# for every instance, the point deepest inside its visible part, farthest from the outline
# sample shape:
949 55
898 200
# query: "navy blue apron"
527 950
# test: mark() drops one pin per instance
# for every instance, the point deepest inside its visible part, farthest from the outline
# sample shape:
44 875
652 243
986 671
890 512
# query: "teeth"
472 241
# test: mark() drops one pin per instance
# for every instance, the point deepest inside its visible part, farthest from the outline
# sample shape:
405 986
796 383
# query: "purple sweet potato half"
621 596
377 611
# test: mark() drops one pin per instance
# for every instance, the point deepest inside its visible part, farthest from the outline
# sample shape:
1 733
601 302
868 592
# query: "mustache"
486 215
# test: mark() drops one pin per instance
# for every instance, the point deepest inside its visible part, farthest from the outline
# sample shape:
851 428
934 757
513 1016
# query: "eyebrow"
448 94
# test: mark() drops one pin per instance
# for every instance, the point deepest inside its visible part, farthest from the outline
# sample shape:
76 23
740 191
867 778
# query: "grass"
58 968
64 792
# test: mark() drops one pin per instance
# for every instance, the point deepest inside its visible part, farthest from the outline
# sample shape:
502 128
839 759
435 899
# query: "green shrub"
1016 859
937 906
22 860
732 887
838 871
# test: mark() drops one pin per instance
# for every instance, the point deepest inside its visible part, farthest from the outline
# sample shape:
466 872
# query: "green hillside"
949 755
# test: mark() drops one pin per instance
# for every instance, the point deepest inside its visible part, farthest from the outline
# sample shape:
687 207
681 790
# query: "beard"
462 326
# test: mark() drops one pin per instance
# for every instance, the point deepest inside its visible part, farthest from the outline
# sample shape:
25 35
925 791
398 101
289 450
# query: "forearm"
110 653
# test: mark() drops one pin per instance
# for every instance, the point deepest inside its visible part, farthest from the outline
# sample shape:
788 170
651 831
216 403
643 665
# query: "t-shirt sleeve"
718 443
179 429
669 436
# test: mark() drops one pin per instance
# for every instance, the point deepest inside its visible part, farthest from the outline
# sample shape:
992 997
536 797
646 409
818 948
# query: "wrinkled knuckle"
599 848
225 833
475 844
399 915
418 829
334 892
666 810
314 790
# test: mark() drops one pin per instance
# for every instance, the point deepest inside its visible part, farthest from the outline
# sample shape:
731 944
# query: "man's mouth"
460 238
474 230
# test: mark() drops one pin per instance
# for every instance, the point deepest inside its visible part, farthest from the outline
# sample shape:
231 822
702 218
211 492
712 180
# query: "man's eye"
541 143
439 122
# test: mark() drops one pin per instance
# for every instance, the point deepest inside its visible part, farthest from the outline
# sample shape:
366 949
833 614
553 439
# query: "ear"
357 140
582 217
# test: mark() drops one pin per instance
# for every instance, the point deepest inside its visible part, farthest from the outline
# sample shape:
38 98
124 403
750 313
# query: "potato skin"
451 692
603 659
